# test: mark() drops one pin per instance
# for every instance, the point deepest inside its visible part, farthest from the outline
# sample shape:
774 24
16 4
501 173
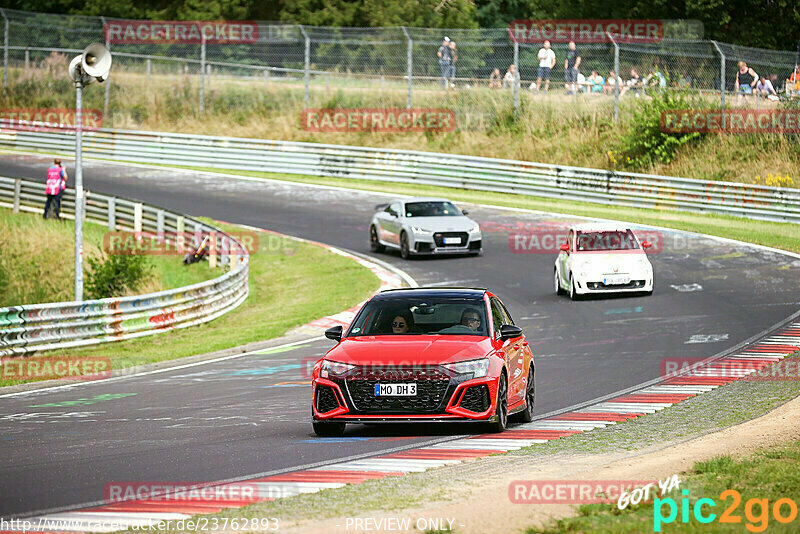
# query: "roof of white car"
601 227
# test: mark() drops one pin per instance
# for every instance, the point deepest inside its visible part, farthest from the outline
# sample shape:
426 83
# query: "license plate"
396 390
616 280
452 240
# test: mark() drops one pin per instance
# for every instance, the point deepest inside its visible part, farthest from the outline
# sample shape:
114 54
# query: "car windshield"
421 316
615 240
431 209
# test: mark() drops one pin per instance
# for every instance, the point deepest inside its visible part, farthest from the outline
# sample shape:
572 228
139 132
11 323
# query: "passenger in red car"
401 324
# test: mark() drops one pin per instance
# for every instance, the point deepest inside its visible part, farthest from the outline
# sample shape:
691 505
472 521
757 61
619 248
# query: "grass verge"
37 261
291 283
765 477
772 234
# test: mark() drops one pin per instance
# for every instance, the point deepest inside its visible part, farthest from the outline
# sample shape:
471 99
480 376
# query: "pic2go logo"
757 521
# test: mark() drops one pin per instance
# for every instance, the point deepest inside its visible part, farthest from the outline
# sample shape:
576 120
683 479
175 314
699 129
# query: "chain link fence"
397 66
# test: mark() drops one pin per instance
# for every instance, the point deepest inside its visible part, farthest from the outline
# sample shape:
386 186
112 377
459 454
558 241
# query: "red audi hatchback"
423 355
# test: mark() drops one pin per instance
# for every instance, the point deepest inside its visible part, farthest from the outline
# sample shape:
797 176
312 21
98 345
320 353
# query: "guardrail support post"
212 249
112 214
307 63
180 228
148 67
160 226
266 78
27 59
17 187
721 77
409 66
137 217
5 48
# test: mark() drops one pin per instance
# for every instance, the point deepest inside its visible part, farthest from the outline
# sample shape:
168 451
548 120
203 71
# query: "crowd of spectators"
747 82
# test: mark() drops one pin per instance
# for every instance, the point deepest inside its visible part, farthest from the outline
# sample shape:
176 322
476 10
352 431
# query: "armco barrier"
407 166
39 327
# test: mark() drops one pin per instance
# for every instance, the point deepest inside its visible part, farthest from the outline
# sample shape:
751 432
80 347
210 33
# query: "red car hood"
409 350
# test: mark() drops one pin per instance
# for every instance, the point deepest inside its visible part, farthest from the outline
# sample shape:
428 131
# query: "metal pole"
410 65
307 76
616 78
107 83
517 77
721 76
5 49
148 66
27 59
202 74
78 193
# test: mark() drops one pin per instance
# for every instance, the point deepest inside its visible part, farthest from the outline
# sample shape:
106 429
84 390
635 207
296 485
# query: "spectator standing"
453 59
547 60
685 81
444 60
495 80
571 64
54 188
746 79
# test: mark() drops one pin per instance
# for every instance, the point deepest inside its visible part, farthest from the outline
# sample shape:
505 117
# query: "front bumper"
595 284
451 399
434 244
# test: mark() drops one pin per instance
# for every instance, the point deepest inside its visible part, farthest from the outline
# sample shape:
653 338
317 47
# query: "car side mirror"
646 244
464 212
509 331
564 247
334 333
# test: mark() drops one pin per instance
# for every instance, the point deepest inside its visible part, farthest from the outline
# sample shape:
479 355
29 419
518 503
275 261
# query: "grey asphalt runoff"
249 415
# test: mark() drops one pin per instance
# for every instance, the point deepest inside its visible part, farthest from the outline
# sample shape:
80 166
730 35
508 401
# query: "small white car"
602 258
424 226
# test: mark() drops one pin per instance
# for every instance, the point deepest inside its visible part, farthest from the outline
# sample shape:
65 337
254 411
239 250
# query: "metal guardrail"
32 328
407 166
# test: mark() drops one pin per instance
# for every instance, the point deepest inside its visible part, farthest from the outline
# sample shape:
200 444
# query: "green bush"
111 275
643 142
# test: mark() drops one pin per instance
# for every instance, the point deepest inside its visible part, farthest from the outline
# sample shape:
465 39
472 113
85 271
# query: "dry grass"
550 128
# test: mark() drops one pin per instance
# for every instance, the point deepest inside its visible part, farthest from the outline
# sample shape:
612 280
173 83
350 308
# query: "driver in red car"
471 319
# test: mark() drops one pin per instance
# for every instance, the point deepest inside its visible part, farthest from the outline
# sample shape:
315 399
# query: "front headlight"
334 368
475 229
475 368
420 231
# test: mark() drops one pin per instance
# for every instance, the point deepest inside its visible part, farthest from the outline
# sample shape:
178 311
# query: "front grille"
429 398
326 399
476 399
599 286
438 238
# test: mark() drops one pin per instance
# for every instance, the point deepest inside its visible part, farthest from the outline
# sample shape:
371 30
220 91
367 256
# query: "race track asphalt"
250 415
